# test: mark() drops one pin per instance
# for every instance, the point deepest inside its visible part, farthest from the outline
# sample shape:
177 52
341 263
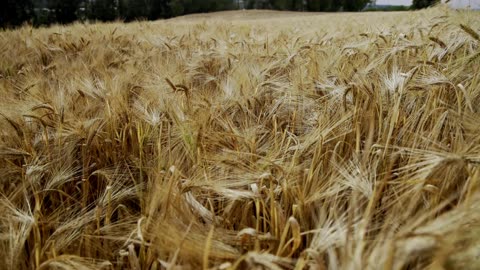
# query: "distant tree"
310 5
159 9
180 7
279 4
219 5
296 5
334 5
176 7
354 5
64 11
418 4
259 4
324 5
197 6
15 12
314 5
104 10
133 9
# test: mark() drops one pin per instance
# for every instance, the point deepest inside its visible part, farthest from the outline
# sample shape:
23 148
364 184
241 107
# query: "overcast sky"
394 2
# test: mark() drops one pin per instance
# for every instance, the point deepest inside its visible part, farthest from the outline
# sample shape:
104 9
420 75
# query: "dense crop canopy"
254 139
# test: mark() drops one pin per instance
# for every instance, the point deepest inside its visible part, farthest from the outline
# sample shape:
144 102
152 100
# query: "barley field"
243 140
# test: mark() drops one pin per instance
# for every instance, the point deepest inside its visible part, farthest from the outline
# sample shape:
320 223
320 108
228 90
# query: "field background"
243 140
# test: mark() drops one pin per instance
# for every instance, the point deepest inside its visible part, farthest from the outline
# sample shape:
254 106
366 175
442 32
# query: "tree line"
44 12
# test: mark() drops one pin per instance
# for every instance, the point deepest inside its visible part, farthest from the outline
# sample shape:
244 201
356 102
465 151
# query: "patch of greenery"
388 8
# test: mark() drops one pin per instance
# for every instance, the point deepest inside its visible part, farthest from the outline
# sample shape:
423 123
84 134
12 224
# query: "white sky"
394 2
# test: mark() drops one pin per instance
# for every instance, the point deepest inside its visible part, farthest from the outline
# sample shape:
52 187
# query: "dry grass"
343 141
